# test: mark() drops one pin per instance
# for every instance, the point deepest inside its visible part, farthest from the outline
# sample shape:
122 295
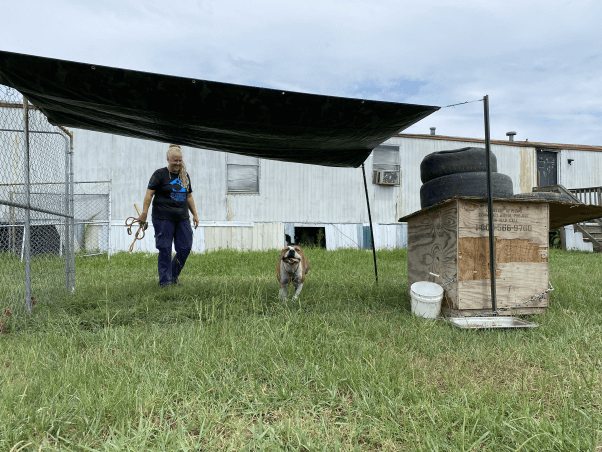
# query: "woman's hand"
142 217
145 205
191 206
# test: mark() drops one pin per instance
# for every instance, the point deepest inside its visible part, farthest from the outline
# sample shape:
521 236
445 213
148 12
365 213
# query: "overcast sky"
540 62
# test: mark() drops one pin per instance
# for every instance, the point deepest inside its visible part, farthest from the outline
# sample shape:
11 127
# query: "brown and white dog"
292 267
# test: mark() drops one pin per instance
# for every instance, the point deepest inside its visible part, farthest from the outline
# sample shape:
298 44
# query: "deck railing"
592 195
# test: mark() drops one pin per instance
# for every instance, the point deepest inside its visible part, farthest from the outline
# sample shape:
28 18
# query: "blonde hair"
183 174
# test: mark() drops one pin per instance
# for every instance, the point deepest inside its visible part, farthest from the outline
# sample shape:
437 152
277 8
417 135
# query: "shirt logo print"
178 192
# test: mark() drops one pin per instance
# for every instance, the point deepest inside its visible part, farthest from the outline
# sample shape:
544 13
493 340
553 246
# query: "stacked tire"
460 172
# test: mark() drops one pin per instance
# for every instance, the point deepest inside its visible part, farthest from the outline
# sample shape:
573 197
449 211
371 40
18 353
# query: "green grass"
221 364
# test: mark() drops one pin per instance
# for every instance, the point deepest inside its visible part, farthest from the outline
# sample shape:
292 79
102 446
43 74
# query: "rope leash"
142 226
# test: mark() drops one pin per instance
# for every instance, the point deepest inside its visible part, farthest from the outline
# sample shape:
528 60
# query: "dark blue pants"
180 234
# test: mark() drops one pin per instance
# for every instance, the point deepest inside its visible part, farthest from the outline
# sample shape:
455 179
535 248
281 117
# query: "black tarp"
259 122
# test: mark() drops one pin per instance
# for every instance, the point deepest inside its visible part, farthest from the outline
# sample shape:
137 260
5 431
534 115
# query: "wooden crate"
451 240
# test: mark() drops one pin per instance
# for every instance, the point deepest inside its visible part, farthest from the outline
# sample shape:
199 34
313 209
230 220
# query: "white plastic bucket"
426 299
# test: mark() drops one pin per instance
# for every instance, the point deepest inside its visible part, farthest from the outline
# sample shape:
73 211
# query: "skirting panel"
211 236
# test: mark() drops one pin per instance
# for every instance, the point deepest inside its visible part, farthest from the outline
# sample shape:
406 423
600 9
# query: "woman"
172 194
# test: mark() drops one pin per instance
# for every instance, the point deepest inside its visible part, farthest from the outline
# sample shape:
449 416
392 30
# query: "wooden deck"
591 230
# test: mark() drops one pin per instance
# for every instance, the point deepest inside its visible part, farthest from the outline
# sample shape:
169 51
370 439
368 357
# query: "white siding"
389 236
574 240
294 193
289 192
341 236
260 236
585 171
121 241
386 236
209 236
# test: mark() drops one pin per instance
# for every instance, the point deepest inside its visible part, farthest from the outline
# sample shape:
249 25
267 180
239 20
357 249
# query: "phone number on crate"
505 227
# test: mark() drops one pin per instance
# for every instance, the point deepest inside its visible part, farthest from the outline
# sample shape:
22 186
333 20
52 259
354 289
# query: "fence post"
71 201
27 226
11 221
109 232
492 262
66 240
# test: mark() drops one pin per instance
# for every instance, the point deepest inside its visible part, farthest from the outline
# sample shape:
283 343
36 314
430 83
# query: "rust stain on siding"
527 162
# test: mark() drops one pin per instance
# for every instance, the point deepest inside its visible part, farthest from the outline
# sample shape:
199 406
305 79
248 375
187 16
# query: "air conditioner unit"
387 177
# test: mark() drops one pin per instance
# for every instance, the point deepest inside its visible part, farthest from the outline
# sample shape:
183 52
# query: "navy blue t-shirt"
170 201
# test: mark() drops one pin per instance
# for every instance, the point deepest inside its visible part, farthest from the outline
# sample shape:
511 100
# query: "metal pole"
370 219
490 203
67 228
27 226
109 234
11 220
71 201
11 198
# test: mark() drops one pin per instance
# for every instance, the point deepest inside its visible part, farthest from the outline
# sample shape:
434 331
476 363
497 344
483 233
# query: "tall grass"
221 364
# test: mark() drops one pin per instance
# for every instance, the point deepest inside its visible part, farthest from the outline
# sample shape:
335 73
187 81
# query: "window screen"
242 173
385 158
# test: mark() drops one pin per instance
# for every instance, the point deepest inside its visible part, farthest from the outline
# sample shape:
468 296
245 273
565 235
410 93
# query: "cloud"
540 62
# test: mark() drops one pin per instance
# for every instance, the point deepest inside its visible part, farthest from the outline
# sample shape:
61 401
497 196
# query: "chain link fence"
92 201
36 205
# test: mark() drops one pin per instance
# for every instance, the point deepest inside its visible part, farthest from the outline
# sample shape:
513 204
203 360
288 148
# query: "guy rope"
142 226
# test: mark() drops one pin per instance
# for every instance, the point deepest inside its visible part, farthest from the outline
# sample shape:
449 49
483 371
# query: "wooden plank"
527 221
432 247
472 312
516 283
473 255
